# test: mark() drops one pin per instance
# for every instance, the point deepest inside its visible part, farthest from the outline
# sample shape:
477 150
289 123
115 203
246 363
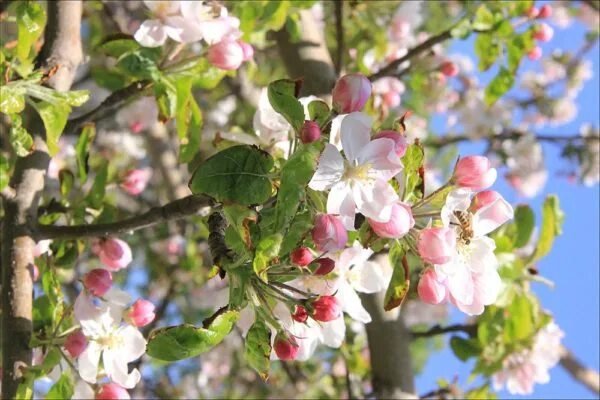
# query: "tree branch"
62 49
441 141
177 209
584 375
339 36
470 329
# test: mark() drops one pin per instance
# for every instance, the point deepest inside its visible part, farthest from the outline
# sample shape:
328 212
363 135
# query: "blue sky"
574 262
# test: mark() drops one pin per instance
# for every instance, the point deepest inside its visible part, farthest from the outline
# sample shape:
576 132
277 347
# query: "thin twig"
586 376
470 329
177 209
441 141
339 36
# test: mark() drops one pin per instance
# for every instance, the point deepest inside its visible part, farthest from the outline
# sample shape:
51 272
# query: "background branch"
582 374
441 141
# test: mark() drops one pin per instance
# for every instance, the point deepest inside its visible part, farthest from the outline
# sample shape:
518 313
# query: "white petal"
88 315
164 7
375 200
457 200
88 362
213 31
133 343
115 367
351 304
488 285
460 284
481 254
151 33
333 332
182 30
490 217
335 133
380 154
330 169
370 278
356 134
82 391
341 202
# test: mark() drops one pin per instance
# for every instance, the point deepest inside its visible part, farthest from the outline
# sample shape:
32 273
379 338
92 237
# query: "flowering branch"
442 141
177 209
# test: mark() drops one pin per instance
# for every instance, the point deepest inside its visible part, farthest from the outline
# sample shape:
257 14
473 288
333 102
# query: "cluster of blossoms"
193 21
522 370
361 176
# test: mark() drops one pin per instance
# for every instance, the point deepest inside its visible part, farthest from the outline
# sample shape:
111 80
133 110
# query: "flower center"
111 341
357 172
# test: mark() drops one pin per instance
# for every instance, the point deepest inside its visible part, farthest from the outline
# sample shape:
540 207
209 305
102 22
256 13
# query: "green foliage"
552 220
520 325
266 250
400 282
95 197
31 20
184 341
487 49
258 348
318 111
297 230
12 99
82 149
282 96
238 174
4 169
484 19
55 118
464 348
524 222
501 84
20 140
413 162
62 389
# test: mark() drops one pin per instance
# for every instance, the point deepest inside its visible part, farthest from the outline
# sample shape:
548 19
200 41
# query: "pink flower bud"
532 12
430 290
475 173
399 224
543 32
326 265
437 245
310 132
227 54
114 254
98 281
112 391
400 143
141 313
76 343
351 93
300 314
329 233
285 347
247 49
392 99
448 68
301 256
136 180
136 127
535 53
545 11
326 308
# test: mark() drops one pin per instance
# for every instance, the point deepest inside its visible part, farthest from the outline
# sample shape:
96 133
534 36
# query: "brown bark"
62 48
584 375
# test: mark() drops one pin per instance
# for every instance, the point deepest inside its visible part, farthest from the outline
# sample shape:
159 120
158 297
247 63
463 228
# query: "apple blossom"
141 313
326 308
535 53
543 32
401 221
76 343
115 254
112 391
139 115
329 233
301 256
387 92
490 208
154 32
310 132
247 49
117 344
285 347
136 180
449 69
360 183
351 93
227 54
545 11
430 290
400 142
437 245
35 272
326 265
474 172
532 12
207 23
41 247
98 281
300 314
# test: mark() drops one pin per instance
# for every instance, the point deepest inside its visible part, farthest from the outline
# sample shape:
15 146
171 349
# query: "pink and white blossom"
430 289
76 343
115 254
401 221
474 172
351 93
329 233
135 181
437 245
228 54
112 391
285 347
141 313
98 281
359 183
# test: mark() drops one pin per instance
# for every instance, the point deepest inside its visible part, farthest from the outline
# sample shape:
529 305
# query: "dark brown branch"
339 36
392 68
175 210
62 54
470 329
586 376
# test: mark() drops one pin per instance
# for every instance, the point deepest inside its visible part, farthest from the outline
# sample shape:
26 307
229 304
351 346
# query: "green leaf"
499 86
293 27
184 341
267 249
298 229
82 149
238 174
400 282
110 79
258 348
191 144
484 19
487 49
239 218
31 19
95 197
525 223
481 393
183 87
318 111
519 324
4 169
118 47
552 220
165 93
295 175
141 63
464 348
55 117
12 99
66 179
20 139
517 47
282 96
62 389
413 162
462 29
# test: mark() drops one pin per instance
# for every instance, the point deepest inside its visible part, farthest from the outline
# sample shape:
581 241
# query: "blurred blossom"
139 115
122 142
590 159
527 173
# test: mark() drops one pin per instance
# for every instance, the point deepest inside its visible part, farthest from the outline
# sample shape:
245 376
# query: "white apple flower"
359 183
117 344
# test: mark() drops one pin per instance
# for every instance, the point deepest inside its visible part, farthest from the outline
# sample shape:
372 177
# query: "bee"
465 220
